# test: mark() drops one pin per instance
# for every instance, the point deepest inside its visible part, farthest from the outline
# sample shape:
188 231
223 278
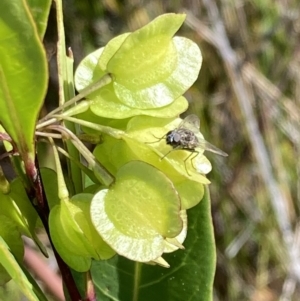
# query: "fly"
187 137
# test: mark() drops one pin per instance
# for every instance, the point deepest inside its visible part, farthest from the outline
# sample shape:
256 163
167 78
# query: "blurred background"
247 98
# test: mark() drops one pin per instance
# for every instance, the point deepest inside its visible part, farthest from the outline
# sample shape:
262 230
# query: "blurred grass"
253 257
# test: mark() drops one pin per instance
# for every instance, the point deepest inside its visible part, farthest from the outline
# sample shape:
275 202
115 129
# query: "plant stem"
38 199
42 134
98 127
137 279
103 81
100 172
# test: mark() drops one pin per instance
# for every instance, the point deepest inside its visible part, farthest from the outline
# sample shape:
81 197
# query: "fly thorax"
176 137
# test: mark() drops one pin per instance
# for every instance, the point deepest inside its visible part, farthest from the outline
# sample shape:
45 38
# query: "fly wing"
191 122
210 147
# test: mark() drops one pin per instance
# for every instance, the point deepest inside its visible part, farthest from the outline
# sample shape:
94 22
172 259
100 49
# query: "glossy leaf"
146 57
93 66
151 69
88 71
190 276
23 74
105 103
145 48
165 88
40 11
135 214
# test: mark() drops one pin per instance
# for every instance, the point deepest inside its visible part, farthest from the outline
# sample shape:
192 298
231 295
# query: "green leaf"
64 244
191 193
114 153
105 102
144 52
16 272
93 66
174 244
23 74
110 49
18 194
11 257
173 165
18 208
146 138
40 11
74 234
24 213
10 233
88 71
49 178
190 276
137 212
151 69
80 211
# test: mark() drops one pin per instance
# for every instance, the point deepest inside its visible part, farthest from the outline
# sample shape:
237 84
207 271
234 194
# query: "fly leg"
193 154
158 139
196 153
175 148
